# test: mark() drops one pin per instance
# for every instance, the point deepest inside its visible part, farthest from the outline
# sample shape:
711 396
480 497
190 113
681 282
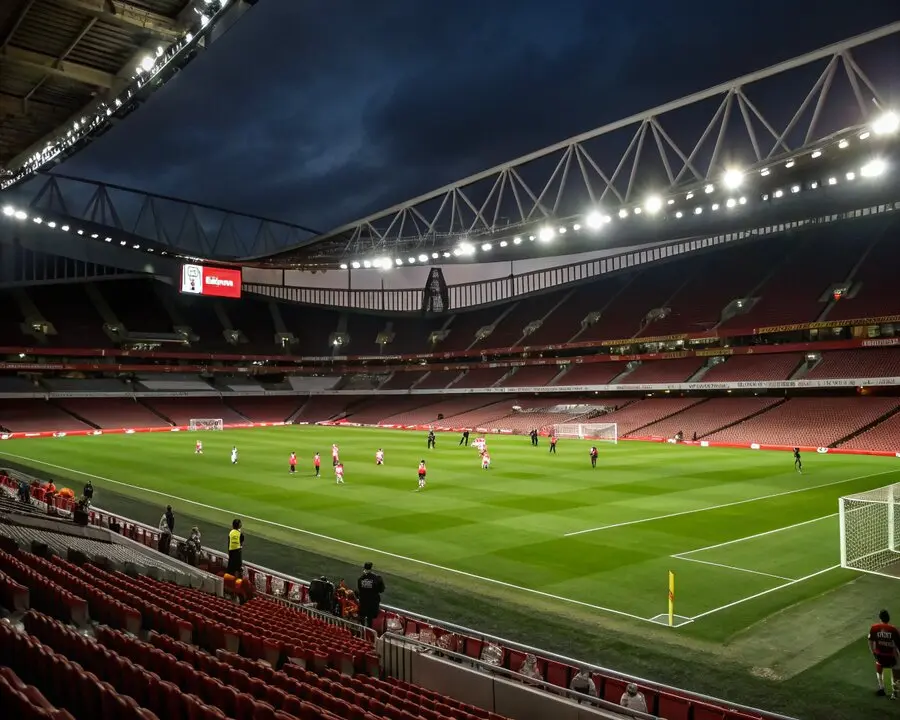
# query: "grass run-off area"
542 548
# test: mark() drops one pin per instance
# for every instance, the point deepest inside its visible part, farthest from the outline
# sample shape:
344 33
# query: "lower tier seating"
633 416
706 417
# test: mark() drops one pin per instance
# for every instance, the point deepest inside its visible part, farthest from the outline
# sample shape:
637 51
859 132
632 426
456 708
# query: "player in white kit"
198 448
379 457
485 461
339 473
234 455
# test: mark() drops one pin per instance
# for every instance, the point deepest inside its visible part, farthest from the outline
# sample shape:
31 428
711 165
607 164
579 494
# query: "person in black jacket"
321 592
464 440
89 490
369 587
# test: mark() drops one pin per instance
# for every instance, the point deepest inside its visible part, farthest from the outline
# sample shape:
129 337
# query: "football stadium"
615 432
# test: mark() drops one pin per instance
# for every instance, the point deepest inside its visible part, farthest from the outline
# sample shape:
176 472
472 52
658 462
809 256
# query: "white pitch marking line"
728 504
751 537
347 543
766 592
731 567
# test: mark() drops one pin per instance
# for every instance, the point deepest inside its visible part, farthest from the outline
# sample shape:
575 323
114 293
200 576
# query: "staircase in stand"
744 419
865 428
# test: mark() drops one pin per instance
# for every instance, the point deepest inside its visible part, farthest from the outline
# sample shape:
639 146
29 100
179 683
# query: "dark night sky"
319 112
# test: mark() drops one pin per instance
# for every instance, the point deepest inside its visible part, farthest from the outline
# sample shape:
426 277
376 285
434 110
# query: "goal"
869 531
602 432
206 424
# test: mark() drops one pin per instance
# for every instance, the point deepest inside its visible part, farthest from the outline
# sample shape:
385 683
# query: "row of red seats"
44 593
103 606
68 686
13 595
25 702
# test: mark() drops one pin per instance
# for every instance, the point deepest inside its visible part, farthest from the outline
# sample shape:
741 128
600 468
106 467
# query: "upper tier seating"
411 334
532 376
438 379
809 422
37 416
72 313
254 320
465 325
403 380
664 371
706 417
373 411
872 363
312 326
877 283
265 409
363 331
199 313
480 417
481 377
602 373
631 417
511 329
755 368
794 292
136 305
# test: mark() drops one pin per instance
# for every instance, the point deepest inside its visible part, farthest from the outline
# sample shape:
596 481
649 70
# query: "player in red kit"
884 642
198 448
553 444
422 473
594 456
317 463
293 462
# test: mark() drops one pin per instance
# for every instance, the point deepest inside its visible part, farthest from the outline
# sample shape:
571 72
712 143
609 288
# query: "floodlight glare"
731 202
679 214
764 172
795 188
38 220
816 154
778 193
446 254
517 241
594 220
398 261
51 224
411 261
9 210
21 215
733 178
147 63
386 263
435 256
789 164
698 210
466 248
887 123
653 204
486 247
709 188
873 168
546 234
576 227
503 243
423 258
832 181
562 230
637 210
65 228
843 144
343 266
715 206
457 252
623 213
743 201
851 176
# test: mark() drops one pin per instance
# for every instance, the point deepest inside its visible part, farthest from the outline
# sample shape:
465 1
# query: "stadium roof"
58 57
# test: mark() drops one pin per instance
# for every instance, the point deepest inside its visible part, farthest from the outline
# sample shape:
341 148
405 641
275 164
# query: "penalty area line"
728 504
338 541
765 592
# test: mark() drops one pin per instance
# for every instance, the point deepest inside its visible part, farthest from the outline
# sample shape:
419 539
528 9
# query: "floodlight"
698 210
9 210
689 196
457 252
94 236
764 172
503 243
743 201
813 185
832 181
423 258
517 241
731 202
65 228
147 64
653 204
789 164
446 254
864 135
122 243
733 178
670 201
81 232
374 263
435 256
887 123
637 210
715 206
594 220
576 227
843 144
355 265
795 188
398 261
679 214
709 188
873 168
466 248
816 154
486 247
38 220
778 193
411 261
623 213
562 230
851 176
546 234
386 263
136 247
21 215
51 224
343 266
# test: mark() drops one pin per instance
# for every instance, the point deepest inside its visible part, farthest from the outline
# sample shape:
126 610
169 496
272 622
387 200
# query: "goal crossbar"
601 432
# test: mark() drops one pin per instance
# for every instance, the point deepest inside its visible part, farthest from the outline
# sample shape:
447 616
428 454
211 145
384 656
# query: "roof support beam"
14 106
61 68
125 14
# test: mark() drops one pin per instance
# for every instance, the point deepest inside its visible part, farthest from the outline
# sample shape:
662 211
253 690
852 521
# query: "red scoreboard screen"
214 282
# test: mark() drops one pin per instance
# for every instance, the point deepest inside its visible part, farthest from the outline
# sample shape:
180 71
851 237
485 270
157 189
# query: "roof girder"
123 13
60 68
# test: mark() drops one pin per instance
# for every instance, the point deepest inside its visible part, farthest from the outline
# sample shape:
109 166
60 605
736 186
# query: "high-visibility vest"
234 540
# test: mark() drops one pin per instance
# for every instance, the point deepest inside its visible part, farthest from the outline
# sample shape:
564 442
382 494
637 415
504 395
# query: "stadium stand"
265 409
706 417
112 413
884 436
811 422
321 408
403 380
72 313
313 328
36 416
180 413
749 368
532 376
872 363
410 334
591 373
438 379
92 386
664 371
463 329
199 314
873 284
481 378
632 416
136 305
254 321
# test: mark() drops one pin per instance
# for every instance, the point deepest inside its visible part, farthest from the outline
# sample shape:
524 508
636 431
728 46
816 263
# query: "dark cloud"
320 112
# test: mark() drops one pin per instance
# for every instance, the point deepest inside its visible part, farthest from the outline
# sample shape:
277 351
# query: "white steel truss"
668 149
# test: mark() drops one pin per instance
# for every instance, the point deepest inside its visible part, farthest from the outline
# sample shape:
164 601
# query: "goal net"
601 432
869 531
206 424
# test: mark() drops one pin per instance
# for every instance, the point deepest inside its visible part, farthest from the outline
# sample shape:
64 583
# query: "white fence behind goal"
206 424
869 531
601 432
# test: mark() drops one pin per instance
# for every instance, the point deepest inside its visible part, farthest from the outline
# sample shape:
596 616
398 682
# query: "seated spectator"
632 699
24 492
190 549
582 683
530 668
321 593
345 602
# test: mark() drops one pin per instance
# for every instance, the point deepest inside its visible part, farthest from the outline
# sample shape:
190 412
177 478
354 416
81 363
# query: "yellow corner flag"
671 599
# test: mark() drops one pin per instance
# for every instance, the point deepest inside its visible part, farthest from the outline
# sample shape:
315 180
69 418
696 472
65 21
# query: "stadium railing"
397 621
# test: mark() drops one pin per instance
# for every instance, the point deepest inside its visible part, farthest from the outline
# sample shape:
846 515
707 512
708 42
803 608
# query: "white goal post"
206 424
601 432
869 532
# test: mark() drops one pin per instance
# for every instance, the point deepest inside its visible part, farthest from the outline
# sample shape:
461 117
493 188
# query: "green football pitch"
752 543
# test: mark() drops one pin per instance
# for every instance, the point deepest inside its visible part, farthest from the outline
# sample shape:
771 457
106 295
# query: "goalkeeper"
884 642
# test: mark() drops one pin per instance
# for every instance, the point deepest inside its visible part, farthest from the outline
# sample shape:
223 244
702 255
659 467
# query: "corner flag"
671 599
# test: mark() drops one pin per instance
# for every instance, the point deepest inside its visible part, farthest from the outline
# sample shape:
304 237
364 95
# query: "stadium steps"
156 412
235 410
743 419
670 301
803 369
887 416
664 417
698 376
520 342
625 373
79 418
853 271
494 325
609 303
293 416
